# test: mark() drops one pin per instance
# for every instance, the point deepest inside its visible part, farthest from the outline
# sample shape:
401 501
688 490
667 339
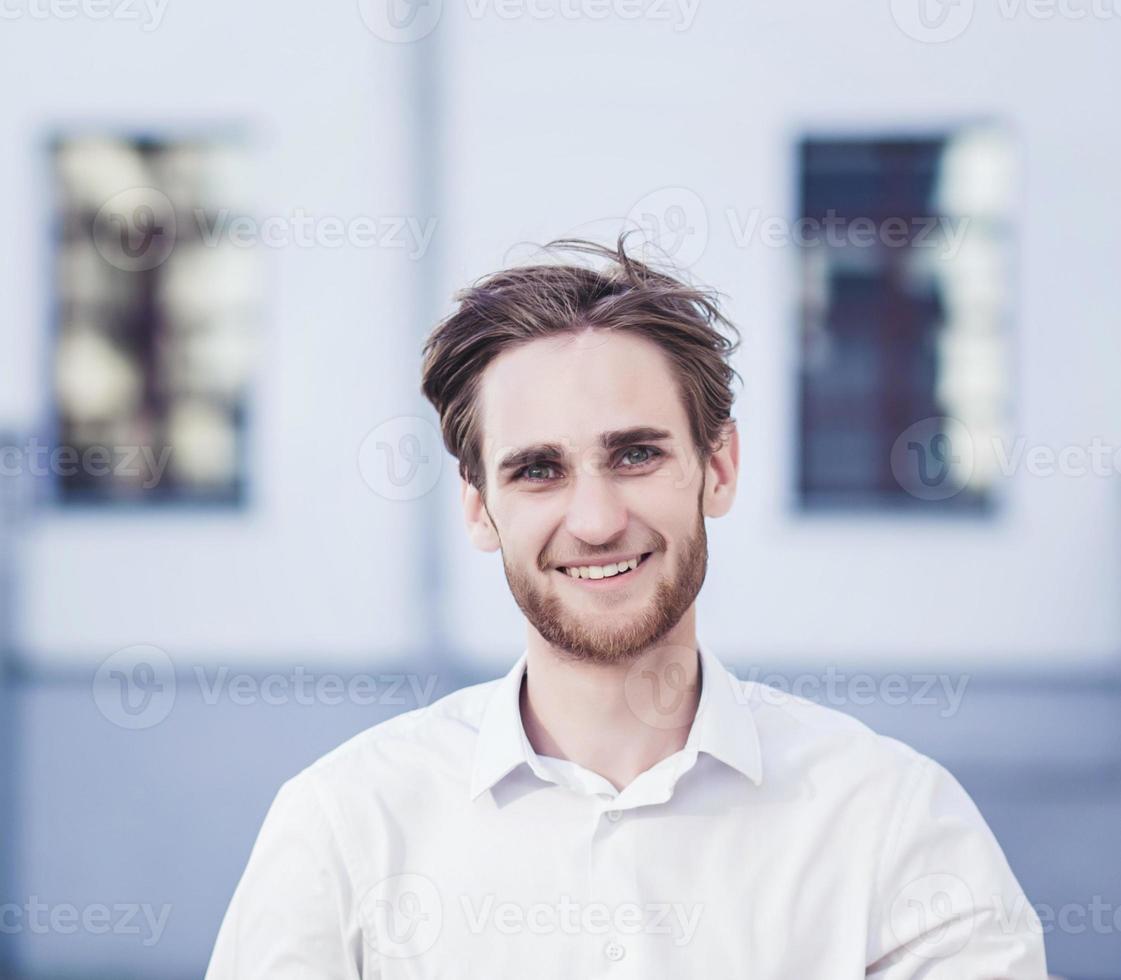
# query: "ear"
721 474
479 527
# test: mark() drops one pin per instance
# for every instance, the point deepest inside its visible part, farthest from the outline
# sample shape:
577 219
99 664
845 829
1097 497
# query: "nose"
597 512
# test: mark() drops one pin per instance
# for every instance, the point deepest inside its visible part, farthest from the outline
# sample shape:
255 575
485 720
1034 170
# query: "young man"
619 804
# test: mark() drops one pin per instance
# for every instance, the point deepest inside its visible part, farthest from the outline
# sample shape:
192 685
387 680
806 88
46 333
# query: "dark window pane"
904 320
154 323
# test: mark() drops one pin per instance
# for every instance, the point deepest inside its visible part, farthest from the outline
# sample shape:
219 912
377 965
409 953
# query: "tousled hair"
517 305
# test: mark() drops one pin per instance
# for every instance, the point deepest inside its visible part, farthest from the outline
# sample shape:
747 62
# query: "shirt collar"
723 726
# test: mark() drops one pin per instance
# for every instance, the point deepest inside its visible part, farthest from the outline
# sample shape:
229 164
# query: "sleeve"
292 914
948 906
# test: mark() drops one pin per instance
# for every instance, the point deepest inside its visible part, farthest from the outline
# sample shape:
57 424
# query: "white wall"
561 126
318 564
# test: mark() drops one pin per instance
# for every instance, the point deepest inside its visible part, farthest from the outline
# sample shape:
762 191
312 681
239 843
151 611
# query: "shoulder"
852 773
433 742
813 752
796 732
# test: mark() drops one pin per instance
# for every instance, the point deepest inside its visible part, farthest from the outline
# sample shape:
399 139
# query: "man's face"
580 504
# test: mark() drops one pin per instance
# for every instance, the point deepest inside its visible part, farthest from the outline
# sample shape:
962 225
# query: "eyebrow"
610 441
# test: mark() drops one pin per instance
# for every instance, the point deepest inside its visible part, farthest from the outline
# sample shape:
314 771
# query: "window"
154 322
904 247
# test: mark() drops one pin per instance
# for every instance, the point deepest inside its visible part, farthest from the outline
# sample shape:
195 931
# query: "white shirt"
785 840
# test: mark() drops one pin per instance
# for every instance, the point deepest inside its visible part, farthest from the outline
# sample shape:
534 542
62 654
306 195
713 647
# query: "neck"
616 720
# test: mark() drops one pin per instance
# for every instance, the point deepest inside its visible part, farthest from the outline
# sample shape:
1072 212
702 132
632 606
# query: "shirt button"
613 815
615 951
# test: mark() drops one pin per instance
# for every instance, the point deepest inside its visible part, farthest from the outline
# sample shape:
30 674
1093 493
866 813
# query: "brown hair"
525 303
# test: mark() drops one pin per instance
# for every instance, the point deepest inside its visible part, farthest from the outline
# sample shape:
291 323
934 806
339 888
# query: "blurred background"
230 537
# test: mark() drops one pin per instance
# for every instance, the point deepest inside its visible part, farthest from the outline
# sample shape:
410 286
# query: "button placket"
614 887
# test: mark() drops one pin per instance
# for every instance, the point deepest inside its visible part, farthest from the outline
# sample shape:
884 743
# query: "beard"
632 634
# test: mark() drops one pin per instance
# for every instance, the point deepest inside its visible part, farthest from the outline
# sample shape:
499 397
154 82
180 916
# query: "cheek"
532 518
679 476
526 536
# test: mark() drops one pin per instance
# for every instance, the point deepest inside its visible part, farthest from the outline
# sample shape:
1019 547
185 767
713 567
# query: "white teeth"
602 571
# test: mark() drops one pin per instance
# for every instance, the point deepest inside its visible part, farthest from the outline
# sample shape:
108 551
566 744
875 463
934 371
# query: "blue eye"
533 466
652 454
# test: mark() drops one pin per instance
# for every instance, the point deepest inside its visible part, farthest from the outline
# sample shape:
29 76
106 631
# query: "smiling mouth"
586 570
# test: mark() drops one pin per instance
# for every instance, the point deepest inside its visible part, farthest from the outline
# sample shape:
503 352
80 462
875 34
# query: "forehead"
573 387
